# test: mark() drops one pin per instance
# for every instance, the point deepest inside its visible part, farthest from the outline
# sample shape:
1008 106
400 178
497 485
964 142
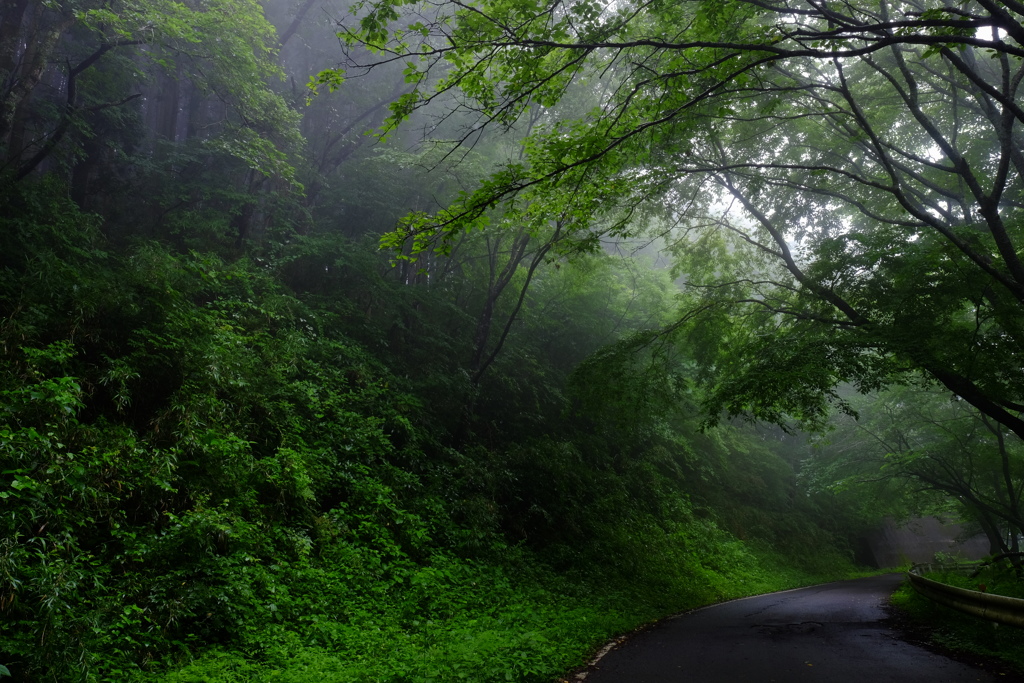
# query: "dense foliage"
239 441
840 185
198 456
846 175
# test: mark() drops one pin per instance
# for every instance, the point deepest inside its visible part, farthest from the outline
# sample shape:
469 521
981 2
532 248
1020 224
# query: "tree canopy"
865 155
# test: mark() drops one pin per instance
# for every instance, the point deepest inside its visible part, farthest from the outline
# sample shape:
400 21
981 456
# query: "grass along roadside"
483 624
955 633
999 579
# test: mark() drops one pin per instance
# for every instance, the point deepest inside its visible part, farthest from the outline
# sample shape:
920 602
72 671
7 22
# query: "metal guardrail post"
997 608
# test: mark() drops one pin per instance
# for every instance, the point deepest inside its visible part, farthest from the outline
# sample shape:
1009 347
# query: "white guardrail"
997 608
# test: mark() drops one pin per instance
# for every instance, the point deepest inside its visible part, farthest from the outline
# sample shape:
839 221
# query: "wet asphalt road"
832 633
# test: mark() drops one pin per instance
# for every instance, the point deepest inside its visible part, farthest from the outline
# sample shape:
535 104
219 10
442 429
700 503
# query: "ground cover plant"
498 630
1000 577
958 632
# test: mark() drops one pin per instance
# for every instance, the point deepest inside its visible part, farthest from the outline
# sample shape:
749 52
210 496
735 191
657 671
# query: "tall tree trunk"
12 15
42 39
294 26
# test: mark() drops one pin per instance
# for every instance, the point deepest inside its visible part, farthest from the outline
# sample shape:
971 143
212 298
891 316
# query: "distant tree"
55 61
844 179
921 442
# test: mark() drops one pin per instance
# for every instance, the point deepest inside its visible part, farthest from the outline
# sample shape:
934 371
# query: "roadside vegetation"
493 629
960 633
999 578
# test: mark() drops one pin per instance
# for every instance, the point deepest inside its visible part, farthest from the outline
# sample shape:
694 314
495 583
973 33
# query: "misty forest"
440 340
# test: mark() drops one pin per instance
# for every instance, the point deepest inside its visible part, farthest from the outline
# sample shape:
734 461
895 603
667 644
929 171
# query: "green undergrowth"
961 632
1000 579
462 621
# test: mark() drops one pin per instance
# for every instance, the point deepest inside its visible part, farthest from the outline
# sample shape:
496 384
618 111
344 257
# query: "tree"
855 168
220 51
911 442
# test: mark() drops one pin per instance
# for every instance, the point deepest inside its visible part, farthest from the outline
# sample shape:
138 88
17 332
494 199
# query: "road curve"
833 633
